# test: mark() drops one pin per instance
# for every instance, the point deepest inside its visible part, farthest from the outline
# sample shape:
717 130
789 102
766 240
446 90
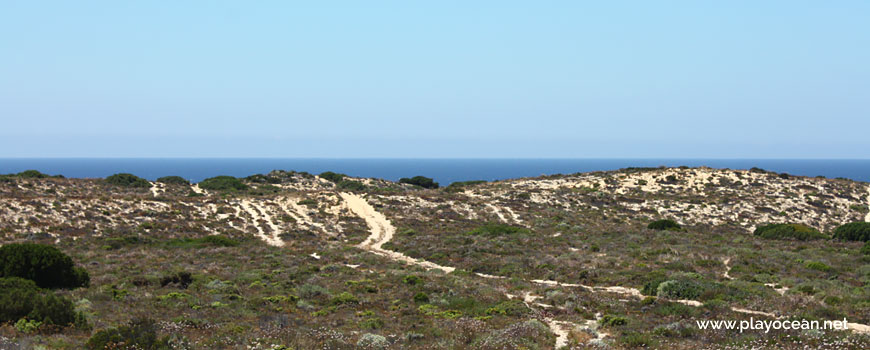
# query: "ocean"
443 171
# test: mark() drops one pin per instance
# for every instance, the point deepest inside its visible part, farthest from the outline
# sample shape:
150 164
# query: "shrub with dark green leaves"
31 174
351 185
21 298
665 224
138 334
680 289
331 176
789 231
866 249
223 183
128 180
173 180
855 231
461 185
45 265
421 181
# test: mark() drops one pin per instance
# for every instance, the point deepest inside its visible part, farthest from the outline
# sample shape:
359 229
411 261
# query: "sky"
435 79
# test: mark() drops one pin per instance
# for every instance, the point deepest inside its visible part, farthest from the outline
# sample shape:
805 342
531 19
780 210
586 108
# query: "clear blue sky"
435 79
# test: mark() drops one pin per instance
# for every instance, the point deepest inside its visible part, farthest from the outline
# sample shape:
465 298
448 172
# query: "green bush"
421 298
128 180
866 249
789 231
173 180
653 279
855 231
421 181
412 280
509 308
612 321
665 224
461 185
680 289
818 266
31 174
21 298
332 177
223 183
138 334
496 229
45 265
351 185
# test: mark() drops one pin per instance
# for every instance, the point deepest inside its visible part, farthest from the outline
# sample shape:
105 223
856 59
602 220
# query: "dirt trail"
382 231
254 209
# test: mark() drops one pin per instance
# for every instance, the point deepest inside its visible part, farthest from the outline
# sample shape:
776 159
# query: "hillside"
333 262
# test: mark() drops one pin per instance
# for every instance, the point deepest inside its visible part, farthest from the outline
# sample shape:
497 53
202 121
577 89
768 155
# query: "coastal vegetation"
128 180
294 262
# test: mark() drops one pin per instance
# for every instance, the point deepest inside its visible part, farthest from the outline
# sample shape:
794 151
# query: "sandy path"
382 231
252 209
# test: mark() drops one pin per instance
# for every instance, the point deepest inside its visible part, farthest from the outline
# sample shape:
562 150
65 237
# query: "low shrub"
372 341
612 321
332 177
421 298
128 180
680 289
138 334
461 185
223 183
665 224
344 298
855 231
818 266
421 181
866 249
351 185
173 180
31 174
21 298
789 231
45 265
181 279
412 280
509 308
496 229
653 279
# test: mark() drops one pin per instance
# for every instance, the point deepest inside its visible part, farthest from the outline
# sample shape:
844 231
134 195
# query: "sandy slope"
254 209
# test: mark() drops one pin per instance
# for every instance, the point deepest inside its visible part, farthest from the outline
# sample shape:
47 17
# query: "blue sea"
443 171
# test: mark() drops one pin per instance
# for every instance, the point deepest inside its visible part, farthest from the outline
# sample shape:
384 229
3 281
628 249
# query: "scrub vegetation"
290 260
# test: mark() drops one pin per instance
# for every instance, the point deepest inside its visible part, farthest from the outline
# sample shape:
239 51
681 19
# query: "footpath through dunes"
382 231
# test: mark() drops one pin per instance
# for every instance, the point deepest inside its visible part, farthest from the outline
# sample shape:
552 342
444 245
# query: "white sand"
252 208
